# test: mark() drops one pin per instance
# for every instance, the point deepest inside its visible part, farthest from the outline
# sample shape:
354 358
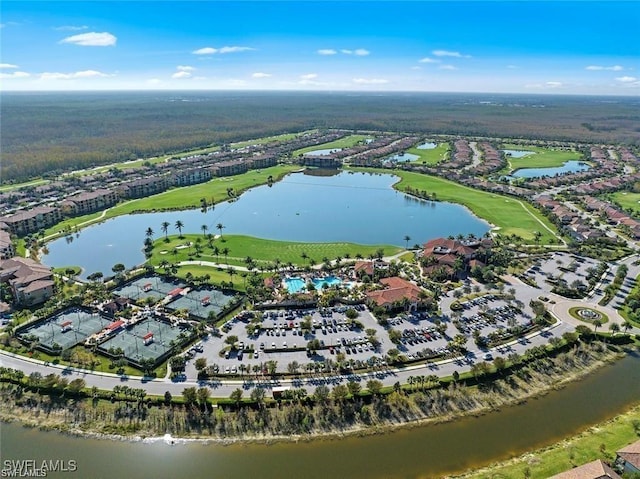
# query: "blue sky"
511 47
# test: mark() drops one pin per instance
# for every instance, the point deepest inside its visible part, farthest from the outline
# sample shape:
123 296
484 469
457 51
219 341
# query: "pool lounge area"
297 284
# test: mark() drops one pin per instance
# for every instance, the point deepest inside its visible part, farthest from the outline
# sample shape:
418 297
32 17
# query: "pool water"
296 285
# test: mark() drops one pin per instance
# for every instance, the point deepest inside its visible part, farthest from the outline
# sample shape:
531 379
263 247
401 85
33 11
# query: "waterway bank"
325 419
435 450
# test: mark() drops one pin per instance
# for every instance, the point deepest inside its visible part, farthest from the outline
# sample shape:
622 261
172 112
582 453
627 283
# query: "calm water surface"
350 207
422 452
572 166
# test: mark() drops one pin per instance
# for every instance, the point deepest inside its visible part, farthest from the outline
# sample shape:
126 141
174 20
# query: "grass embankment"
431 157
581 449
511 215
264 252
540 157
178 198
346 142
331 415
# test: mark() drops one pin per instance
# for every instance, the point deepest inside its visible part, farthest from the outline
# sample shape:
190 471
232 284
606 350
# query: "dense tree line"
53 132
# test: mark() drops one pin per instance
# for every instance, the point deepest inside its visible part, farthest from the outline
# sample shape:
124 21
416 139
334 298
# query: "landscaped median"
511 215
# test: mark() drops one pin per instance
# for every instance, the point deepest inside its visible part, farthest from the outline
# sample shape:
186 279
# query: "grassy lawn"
346 142
574 312
268 139
509 214
627 200
262 251
584 448
16 186
431 157
189 196
542 157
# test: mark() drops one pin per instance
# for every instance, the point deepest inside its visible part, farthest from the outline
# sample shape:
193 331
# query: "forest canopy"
48 133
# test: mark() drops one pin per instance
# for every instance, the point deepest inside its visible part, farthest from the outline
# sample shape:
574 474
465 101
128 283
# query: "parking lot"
281 339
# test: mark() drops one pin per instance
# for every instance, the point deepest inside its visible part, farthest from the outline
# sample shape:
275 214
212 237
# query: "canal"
421 452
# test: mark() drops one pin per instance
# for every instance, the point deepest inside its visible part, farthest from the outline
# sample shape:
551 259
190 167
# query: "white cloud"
614 68
327 51
447 67
71 28
360 52
261 75
448 53
370 81
15 75
71 76
553 84
626 79
416 67
92 39
8 65
181 74
223 50
154 81
428 60
184 68
309 76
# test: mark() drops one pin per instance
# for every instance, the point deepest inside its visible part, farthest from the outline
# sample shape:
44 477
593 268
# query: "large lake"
351 207
422 452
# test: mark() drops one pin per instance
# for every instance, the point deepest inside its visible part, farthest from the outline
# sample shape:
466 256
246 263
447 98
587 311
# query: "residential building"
30 221
592 470
31 283
629 458
6 245
88 202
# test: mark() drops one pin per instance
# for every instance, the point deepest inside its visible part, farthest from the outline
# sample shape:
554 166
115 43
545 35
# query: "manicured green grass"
563 456
512 216
264 252
213 191
542 157
268 139
431 157
627 200
574 312
175 199
346 142
17 186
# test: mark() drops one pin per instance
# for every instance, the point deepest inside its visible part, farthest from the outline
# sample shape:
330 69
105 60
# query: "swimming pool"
296 285
329 281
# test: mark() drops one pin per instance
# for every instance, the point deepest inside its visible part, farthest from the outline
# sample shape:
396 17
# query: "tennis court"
148 339
147 287
66 329
201 302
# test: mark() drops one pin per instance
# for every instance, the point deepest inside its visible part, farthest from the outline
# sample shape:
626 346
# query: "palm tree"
149 233
165 230
407 238
225 252
596 324
220 227
614 328
626 325
204 229
179 225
